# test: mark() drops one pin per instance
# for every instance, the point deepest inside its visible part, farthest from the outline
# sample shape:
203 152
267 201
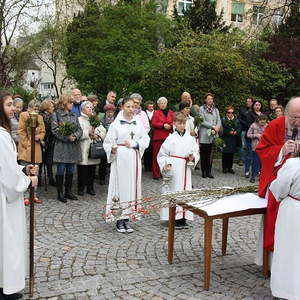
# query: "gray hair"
84 103
33 103
136 96
18 100
160 99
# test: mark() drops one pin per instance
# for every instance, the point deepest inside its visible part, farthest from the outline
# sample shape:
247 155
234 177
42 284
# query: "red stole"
268 150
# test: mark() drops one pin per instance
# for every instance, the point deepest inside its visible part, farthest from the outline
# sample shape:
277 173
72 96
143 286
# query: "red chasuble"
268 150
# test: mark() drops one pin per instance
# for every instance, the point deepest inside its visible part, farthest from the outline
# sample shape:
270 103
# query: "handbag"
96 150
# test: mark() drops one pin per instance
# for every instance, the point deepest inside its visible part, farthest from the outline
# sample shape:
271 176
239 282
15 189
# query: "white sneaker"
127 226
120 226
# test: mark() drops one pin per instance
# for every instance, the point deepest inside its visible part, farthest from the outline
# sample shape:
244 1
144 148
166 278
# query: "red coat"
157 122
268 150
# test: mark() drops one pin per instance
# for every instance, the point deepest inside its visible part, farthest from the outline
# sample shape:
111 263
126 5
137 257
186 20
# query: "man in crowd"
270 113
110 99
77 99
279 142
246 150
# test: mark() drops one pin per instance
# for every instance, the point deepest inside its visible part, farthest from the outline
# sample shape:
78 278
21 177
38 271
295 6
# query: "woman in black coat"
231 138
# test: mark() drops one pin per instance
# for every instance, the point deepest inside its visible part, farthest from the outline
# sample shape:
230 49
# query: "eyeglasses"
294 118
230 112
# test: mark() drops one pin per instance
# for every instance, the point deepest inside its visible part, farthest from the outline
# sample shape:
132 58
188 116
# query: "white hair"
161 99
84 103
136 96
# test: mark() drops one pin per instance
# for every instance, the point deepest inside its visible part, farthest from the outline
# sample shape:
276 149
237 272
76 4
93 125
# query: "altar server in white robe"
285 270
124 144
13 184
177 156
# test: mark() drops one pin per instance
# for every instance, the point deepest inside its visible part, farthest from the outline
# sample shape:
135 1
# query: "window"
258 15
47 86
277 17
183 6
237 12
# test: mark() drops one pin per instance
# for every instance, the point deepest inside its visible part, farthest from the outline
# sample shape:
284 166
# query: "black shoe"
120 226
91 191
204 175
209 175
252 179
59 187
231 171
181 224
102 182
127 226
12 296
80 192
224 171
68 187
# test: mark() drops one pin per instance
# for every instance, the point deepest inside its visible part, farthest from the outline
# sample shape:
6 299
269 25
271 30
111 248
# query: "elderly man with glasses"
279 142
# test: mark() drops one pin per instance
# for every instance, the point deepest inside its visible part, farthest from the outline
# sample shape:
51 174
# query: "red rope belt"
185 175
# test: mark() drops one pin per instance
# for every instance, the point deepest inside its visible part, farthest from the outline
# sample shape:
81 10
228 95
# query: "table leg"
266 263
208 226
171 232
224 235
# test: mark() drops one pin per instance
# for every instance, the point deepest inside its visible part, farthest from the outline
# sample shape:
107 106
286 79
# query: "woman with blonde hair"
67 131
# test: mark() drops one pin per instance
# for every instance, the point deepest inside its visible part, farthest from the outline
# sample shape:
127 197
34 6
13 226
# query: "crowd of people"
167 141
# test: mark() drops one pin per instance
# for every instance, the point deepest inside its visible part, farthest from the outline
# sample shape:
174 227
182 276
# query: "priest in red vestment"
277 144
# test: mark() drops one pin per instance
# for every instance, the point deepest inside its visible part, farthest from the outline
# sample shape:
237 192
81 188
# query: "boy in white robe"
175 155
285 270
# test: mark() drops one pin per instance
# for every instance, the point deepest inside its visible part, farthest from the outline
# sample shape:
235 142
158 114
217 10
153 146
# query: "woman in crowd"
18 104
138 112
162 125
67 132
279 111
124 144
87 166
13 183
256 110
208 129
47 110
231 137
24 146
254 133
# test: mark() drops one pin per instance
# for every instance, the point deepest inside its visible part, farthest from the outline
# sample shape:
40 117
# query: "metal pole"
33 125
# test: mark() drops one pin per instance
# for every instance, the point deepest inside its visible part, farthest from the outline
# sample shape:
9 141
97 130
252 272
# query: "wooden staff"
33 125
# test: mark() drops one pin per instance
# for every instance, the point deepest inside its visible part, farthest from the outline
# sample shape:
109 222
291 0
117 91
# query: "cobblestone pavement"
79 256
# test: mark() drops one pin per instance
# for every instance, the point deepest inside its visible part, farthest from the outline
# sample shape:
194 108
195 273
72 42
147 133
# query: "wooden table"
208 229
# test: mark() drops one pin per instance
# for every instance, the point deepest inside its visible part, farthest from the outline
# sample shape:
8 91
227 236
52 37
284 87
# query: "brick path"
79 256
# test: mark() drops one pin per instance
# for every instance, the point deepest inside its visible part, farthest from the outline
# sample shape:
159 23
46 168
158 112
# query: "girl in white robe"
13 184
285 270
175 151
131 139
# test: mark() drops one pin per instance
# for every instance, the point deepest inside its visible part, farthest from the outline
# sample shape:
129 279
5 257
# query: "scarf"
208 108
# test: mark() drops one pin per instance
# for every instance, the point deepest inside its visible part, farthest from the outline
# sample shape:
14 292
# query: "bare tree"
14 14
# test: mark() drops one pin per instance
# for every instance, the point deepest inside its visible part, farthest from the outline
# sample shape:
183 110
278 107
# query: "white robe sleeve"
12 178
163 156
195 152
143 140
281 186
109 141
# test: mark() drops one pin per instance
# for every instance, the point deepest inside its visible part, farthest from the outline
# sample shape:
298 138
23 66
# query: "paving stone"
79 256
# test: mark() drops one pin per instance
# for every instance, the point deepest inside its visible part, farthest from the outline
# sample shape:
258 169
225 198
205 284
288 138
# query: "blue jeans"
62 167
255 164
248 156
